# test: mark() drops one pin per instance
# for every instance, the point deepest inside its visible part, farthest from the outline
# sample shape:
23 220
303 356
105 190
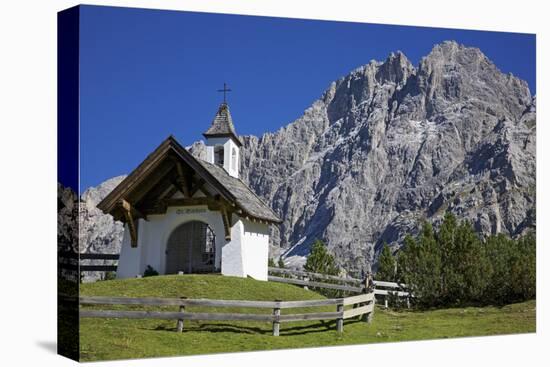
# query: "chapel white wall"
255 244
245 255
130 257
153 237
232 252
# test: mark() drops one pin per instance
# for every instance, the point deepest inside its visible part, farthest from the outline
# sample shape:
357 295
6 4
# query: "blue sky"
146 74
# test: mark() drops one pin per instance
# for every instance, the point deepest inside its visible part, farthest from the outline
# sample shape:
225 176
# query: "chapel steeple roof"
222 125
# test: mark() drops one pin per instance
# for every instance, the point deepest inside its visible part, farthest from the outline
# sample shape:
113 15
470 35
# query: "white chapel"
184 214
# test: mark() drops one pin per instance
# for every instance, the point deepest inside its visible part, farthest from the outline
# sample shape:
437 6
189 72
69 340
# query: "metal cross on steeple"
224 90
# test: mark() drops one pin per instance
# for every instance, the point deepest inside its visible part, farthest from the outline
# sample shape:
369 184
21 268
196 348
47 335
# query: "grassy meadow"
108 339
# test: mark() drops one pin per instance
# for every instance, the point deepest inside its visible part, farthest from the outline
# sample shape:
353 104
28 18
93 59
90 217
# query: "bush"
281 263
109 275
271 263
150 272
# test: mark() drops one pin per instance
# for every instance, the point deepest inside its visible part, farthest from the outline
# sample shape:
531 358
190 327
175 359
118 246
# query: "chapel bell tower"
222 143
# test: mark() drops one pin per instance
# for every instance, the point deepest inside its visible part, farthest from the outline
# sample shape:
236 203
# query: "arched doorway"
191 248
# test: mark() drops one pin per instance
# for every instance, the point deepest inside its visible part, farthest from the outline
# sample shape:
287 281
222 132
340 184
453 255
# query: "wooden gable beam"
154 202
212 204
183 180
151 182
169 193
154 160
201 171
186 201
198 185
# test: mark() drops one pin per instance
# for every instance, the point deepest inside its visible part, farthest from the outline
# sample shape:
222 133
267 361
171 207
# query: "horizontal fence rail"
207 302
70 261
304 278
363 306
310 283
314 275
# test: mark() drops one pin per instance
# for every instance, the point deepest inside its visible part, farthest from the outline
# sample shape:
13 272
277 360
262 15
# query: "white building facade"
182 214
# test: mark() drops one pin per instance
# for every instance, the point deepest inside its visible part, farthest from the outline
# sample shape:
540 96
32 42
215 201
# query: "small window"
233 159
218 155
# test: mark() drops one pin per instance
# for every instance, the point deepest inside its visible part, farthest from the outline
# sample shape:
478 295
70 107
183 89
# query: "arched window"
233 159
218 155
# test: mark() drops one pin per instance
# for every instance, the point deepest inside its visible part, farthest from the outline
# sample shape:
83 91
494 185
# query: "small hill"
198 286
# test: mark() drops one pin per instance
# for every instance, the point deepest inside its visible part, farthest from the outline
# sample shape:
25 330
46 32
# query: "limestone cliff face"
392 144
82 227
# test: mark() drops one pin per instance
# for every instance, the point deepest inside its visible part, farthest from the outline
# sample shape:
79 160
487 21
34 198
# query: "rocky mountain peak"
390 145
396 69
453 73
93 195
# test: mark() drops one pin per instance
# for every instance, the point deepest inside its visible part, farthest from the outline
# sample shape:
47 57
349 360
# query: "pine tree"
420 263
500 249
523 269
456 267
407 263
470 266
446 243
386 265
320 260
429 266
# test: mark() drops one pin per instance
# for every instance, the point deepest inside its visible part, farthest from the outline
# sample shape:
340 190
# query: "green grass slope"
104 339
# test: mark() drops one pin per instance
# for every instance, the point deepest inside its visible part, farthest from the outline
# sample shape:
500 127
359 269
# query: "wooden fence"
70 261
361 305
305 279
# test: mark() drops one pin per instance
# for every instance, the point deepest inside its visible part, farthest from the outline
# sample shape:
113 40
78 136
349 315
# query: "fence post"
340 320
408 302
306 279
370 315
179 325
369 287
276 322
363 317
386 301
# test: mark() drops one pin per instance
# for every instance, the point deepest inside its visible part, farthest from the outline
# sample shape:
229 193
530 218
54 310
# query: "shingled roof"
244 196
222 125
158 165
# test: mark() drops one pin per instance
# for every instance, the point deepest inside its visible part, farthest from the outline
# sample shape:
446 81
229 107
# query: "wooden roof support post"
226 217
130 221
130 208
